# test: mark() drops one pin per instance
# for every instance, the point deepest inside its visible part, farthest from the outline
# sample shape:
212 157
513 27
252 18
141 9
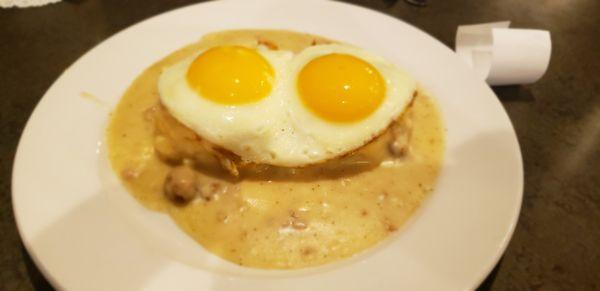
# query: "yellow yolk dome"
231 75
340 87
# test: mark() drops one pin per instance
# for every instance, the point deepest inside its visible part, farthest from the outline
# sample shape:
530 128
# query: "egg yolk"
340 87
231 75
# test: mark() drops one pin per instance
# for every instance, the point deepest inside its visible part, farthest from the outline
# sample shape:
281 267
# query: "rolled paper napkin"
503 55
25 3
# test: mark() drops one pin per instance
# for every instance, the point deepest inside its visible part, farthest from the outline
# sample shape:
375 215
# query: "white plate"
86 233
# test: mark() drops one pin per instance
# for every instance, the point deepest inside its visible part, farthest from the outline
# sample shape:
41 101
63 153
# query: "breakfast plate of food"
268 145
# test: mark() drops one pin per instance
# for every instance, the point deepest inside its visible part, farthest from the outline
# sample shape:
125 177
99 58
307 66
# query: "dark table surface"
556 245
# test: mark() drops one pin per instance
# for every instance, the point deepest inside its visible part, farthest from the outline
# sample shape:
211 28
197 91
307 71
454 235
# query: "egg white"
321 139
279 130
245 129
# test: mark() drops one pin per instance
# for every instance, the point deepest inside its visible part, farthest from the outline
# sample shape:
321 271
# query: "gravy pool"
306 217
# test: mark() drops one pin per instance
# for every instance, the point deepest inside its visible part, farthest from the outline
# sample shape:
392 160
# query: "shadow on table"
35 276
513 93
486 285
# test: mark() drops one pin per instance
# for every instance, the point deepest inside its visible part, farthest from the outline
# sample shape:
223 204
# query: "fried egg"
225 94
274 107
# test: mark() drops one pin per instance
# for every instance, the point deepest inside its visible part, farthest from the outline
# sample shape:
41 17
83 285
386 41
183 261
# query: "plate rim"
26 130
